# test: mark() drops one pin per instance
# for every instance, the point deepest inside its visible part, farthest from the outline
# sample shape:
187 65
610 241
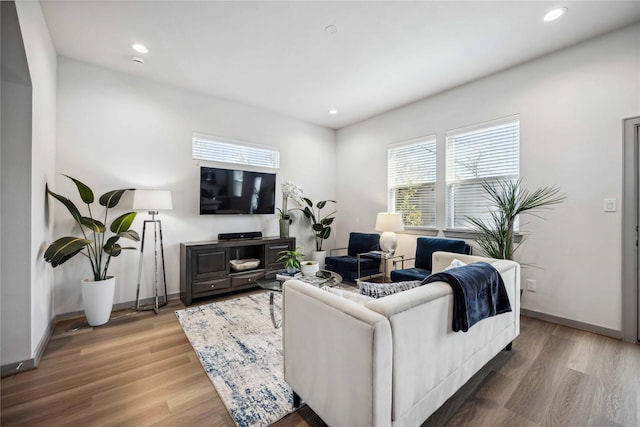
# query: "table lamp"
389 223
152 201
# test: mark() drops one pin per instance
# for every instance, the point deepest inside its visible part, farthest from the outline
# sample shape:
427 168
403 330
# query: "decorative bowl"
309 268
244 264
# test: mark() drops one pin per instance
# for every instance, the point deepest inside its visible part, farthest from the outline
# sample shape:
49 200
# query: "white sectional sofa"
391 361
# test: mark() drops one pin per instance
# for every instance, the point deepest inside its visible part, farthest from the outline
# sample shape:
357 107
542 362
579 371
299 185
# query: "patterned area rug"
241 352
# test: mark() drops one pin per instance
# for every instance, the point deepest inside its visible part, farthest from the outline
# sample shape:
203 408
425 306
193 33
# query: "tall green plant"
508 200
98 250
321 226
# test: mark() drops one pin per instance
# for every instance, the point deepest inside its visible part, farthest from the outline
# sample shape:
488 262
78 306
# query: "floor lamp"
152 201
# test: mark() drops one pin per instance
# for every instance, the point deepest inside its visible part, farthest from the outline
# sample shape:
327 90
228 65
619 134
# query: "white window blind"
412 181
486 153
216 149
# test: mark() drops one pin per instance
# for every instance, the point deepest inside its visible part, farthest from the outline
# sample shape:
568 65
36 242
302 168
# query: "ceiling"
278 56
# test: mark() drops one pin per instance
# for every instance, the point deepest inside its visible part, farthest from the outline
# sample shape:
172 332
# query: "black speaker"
236 236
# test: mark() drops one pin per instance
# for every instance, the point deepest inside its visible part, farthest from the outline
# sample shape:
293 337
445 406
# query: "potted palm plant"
508 200
321 226
97 291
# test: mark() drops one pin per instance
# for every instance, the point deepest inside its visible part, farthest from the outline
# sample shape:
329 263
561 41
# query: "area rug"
241 353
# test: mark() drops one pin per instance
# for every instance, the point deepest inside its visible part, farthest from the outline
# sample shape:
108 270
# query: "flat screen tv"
232 191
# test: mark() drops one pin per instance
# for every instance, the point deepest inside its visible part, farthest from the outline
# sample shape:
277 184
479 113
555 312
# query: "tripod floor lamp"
152 201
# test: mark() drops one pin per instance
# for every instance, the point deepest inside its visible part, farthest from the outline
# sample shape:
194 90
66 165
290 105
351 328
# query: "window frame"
449 216
441 183
392 187
259 150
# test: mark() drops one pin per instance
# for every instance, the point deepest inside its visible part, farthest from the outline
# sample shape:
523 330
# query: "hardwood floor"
140 370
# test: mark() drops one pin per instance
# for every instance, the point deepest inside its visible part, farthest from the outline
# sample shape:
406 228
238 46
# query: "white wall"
15 171
42 60
119 131
29 112
571 105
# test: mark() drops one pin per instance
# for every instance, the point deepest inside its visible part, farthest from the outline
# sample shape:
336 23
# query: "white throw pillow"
454 264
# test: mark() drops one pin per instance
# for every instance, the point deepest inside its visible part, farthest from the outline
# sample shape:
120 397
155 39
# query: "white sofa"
392 361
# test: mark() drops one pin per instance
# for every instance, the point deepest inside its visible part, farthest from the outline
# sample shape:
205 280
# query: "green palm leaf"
123 222
112 198
113 250
64 249
73 210
85 192
93 224
130 234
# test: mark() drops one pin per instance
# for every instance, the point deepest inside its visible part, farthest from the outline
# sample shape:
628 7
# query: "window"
487 152
216 149
412 181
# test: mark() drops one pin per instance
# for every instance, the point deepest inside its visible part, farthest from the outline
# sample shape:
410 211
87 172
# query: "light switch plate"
609 205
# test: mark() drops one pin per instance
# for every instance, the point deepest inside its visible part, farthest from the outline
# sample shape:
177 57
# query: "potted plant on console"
291 260
97 291
321 226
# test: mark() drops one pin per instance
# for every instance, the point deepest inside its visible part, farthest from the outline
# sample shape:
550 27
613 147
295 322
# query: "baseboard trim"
572 323
27 365
118 306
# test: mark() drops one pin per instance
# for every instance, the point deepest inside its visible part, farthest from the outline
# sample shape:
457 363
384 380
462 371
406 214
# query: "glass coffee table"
271 283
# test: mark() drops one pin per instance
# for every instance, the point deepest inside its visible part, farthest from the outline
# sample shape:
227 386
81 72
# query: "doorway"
630 224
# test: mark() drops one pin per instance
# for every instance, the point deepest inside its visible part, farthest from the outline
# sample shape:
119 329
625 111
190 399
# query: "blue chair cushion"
409 274
350 263
426 246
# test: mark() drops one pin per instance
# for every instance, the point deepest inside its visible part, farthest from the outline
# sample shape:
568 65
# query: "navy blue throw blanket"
478 293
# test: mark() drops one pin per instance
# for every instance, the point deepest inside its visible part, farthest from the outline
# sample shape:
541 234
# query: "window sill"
450 232
472 235
427 231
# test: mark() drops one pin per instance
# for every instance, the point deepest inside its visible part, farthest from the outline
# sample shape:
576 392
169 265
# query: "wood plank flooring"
140 370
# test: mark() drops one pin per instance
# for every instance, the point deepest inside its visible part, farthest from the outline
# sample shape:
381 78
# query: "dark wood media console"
205 267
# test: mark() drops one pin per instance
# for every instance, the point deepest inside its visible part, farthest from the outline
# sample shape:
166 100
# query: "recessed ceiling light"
331 29
333 111
138 47
554 14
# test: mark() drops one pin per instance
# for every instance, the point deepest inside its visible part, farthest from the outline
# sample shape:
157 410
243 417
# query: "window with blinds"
412 181
216 149
487 152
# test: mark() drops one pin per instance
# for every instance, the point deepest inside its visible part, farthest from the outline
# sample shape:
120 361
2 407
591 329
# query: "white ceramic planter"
319 256
309 268
97 299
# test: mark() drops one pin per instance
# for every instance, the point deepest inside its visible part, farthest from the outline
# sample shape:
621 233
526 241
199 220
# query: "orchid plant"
290 191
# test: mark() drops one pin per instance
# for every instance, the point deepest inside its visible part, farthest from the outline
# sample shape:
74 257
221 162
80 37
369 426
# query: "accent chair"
347 265
425 247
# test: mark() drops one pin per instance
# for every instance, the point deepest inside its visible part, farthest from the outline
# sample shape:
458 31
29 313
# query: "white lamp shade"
152 200
389 221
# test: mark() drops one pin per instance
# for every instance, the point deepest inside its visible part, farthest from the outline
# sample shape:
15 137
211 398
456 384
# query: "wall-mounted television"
233 191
